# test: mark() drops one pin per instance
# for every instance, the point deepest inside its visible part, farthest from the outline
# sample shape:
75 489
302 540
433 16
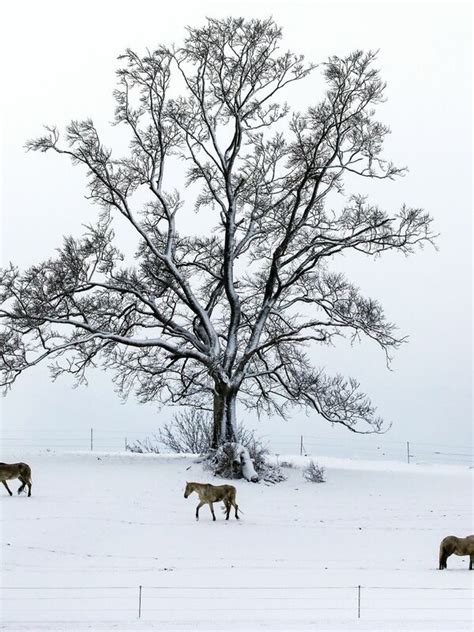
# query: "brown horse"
457 546
9 472
209 494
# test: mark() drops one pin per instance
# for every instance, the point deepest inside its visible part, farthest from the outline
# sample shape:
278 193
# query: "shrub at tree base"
191 431
234 460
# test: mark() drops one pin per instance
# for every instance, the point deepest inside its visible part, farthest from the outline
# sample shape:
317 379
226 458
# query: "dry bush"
190 431
144 446
314 473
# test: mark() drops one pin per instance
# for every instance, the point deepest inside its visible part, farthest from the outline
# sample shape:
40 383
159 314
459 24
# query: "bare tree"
208 319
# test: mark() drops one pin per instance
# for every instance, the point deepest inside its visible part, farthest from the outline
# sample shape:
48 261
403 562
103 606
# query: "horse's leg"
471 562
228 506
22 486
236 510
26 482
212 511
29 485
198 508
8 489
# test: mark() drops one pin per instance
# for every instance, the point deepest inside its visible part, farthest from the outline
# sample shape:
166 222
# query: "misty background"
59 64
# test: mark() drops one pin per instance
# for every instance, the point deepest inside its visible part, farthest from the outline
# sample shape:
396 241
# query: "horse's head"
188 490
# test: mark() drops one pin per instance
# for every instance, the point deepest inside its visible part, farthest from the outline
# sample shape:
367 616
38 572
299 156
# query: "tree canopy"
209 319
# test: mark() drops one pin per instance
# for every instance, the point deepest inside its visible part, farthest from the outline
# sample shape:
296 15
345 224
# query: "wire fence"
194 603
375 448
359 447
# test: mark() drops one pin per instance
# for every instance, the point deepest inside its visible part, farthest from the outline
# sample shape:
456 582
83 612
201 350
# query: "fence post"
140 602
358 602
408 452
92 439
125 444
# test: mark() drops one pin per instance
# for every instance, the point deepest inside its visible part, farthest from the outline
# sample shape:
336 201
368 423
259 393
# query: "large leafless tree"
211 319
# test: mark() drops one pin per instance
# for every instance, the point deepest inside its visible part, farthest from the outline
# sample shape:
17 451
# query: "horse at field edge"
457 546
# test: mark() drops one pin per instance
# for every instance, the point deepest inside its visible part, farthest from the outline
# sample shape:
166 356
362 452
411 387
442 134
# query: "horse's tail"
445 550
442 557
25 471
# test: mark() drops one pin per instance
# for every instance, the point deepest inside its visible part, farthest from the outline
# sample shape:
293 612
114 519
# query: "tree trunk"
224 416
224 436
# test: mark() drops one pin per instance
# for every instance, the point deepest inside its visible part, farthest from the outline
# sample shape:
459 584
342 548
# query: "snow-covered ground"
98 526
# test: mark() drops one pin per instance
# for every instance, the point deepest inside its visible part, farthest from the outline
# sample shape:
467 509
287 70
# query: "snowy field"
99 526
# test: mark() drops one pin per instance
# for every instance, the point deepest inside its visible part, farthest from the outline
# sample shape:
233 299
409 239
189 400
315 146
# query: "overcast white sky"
59 60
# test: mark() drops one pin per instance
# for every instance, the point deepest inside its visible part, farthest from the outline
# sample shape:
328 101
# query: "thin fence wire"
287 444
151 601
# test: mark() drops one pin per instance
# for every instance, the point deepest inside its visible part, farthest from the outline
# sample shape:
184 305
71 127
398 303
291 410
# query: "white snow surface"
98 526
